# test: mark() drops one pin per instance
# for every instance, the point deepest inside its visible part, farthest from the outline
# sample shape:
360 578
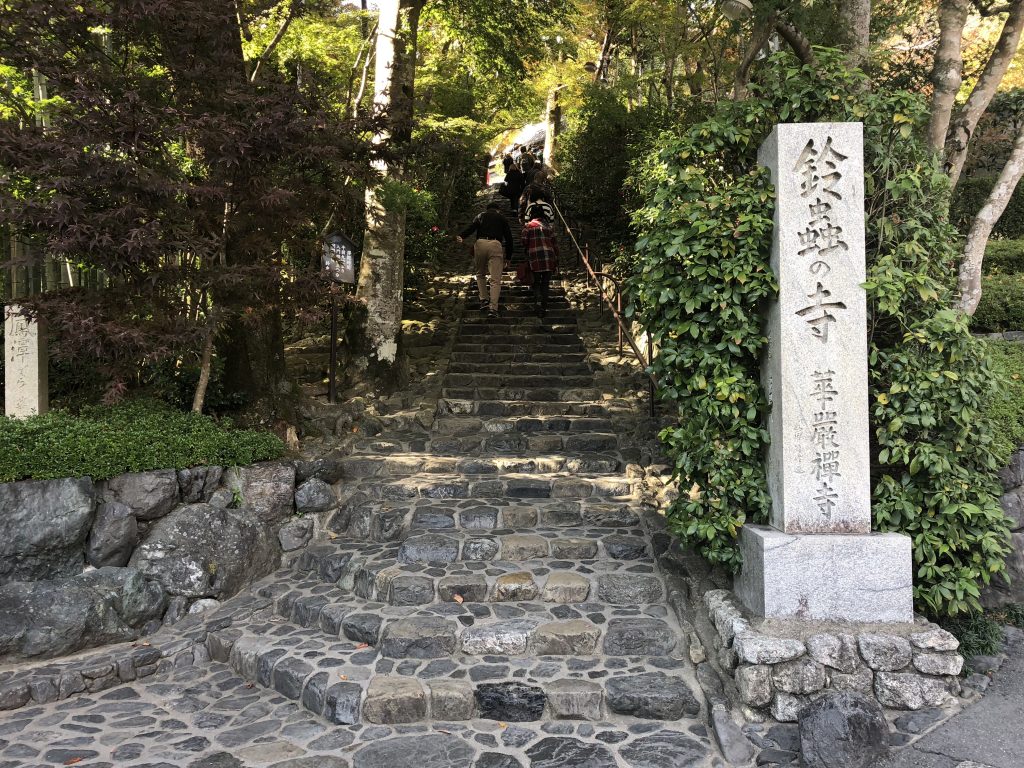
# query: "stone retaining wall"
1002 592
86 563
778 667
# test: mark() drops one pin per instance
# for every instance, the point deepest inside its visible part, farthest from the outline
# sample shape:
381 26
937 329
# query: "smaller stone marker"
818 559
26 391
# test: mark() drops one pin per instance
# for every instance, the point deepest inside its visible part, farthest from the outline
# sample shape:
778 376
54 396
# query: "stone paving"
488 594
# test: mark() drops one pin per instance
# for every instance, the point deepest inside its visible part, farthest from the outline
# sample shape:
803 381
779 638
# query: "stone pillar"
818 559
26 391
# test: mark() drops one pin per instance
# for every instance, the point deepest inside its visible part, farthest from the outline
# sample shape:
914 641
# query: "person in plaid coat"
541 246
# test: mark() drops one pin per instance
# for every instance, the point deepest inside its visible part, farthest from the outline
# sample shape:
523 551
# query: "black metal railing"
613 302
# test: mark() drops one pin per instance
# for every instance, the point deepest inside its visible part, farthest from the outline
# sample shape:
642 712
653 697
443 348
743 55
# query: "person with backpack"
493 247
541 246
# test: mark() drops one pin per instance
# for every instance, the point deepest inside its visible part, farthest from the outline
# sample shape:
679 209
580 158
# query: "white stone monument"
26 391
818 559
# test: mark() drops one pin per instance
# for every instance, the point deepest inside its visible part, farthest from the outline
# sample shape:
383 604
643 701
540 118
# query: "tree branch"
962 128
758 40
796 39
987 9
293 8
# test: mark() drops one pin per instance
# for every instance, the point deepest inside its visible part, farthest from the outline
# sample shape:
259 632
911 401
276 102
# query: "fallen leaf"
458 599
343 677
502 725
72 760
249 685
146 645
442 730
362 645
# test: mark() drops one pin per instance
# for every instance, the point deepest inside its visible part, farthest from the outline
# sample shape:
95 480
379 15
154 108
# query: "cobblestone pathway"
488 595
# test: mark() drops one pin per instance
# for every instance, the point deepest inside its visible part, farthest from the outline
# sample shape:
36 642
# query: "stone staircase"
498 567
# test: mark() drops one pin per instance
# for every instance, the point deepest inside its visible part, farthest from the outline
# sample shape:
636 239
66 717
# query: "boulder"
151 495
113 537
267 488
198 483
843 730
46 619
328 470
43 528
314 496
202 551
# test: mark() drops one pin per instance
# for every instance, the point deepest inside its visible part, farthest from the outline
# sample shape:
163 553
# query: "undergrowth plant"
703 272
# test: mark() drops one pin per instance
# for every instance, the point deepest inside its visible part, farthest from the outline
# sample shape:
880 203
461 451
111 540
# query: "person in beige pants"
492 248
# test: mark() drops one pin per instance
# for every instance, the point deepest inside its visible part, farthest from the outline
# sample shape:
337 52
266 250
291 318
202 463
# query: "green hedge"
1002 304
1004 257
1007 408
970 194
105 441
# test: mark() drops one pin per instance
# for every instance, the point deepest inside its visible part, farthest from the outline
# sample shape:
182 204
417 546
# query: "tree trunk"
947 69
962 128
206 363
381 269
758 40
855 23
552 125
981 227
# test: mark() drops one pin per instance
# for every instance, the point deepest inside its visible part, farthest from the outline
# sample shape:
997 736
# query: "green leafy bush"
1004 257
971 193
1007 409
1002 304
134 437
979 634
593 158
703 257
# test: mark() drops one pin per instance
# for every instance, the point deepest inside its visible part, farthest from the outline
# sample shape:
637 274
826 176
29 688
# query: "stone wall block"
935 639
268 488
151 495
938 663
836 651
197 484
786 707
43 527
861 681
907 690
803 675
314 496
885 653
1012 474
752 648
202 551
755 685
113 537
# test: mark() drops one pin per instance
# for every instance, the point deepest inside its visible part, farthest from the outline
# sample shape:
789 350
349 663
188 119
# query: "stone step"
364 465
552 368
518 357
522 314
516 485
515 328
373 571
506 344
346 682
516 544
464 407
472 425
476 629
495 380
538 337
518 443
381 521
525 394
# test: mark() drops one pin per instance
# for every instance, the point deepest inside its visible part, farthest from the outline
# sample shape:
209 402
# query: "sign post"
818 558
338 261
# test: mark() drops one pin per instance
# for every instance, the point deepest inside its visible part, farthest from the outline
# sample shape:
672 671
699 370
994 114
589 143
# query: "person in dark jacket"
535 193
541 246
514 184
493 247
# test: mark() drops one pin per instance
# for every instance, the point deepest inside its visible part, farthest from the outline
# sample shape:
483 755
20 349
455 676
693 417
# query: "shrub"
703 269
1007 409
1002 304
1004 257
134 437
979 634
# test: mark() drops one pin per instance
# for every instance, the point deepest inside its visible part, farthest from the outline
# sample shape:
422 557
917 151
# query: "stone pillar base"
826 577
